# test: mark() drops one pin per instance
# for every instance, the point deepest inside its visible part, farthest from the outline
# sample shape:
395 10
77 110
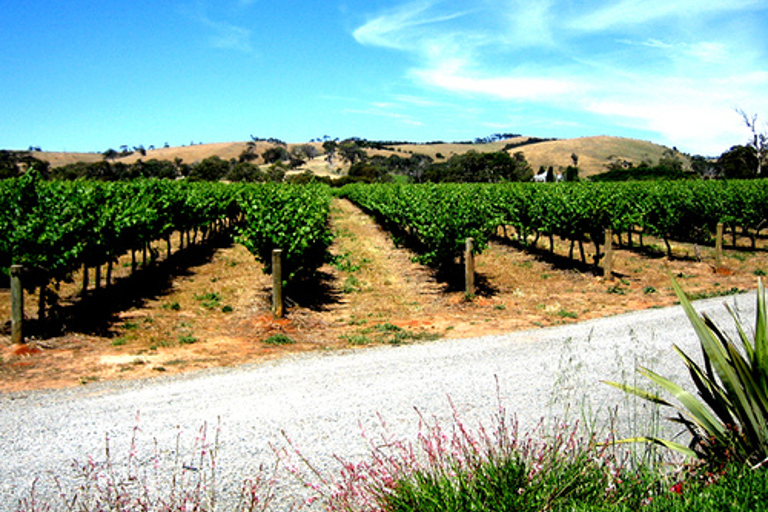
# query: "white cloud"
503 87
615 16
551 55
222 35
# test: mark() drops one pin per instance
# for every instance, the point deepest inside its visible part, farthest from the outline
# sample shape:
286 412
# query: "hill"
594 153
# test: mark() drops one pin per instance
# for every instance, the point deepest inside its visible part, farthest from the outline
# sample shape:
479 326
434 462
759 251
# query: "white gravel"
321 399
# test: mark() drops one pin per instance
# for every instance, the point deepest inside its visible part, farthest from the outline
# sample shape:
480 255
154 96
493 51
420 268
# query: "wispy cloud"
675 68
221 34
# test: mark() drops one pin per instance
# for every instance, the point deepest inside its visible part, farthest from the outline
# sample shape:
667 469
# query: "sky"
91 75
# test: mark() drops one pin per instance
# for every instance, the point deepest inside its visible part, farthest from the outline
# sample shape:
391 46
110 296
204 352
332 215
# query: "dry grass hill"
594 153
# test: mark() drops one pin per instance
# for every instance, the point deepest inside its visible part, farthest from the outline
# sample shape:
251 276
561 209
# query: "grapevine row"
54 228
440 217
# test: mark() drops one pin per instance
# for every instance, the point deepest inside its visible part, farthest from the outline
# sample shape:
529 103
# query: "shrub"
729 418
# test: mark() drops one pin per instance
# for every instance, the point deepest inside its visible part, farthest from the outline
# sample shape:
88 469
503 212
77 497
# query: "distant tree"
212 168
276 154
671 161
276 172
246 171
101 171
305 151
154 168
367 173
480 167
759 142
330 147
739 162
704 166
350 151
249 153
110 154
571 174
575 159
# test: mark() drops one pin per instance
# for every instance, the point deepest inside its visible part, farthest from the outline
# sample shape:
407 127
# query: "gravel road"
322 399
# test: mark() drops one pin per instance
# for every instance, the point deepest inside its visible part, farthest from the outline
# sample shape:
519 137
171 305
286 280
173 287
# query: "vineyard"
439 218
373 289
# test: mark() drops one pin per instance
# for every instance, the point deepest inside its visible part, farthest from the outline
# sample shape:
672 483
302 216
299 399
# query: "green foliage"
436 218
53 228
728 418
279 339
292 218
276 154
642 172
474 167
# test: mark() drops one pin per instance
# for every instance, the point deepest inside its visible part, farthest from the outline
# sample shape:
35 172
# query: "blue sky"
90 75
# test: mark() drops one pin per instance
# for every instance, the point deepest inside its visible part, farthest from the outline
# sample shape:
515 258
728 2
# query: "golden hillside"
594 153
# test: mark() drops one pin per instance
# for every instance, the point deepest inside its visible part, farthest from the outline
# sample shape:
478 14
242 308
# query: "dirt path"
213 309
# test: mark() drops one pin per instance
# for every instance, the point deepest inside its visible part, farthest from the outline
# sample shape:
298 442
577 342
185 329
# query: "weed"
159 368
759 272
649 289
88 379
210 300
343 263
567 314
357 339
616 289
351 284
173 306
119 342
187 339
499 307
388 327
128 325
279 339
716 293
227 309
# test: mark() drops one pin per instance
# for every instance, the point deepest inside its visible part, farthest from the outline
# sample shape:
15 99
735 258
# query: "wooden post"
608 263
719 245
277 283
469 267
17 305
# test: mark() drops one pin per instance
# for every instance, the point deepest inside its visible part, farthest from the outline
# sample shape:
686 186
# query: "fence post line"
17 305
608 263
469 266
277 283
719 244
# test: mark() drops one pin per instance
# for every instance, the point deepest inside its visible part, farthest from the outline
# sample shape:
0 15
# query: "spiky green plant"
727 418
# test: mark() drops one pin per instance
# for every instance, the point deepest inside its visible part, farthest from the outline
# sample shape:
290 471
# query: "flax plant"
727 416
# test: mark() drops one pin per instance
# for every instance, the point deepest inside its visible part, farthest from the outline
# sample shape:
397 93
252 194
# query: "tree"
249 153
739 162
246 171
351 151
110 154
571 174
330 147
480 167
759 142
276 154
212 168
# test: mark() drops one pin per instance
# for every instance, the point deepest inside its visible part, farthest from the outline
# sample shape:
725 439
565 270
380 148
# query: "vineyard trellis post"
277 283
17 305
608 263
469 267
719 244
